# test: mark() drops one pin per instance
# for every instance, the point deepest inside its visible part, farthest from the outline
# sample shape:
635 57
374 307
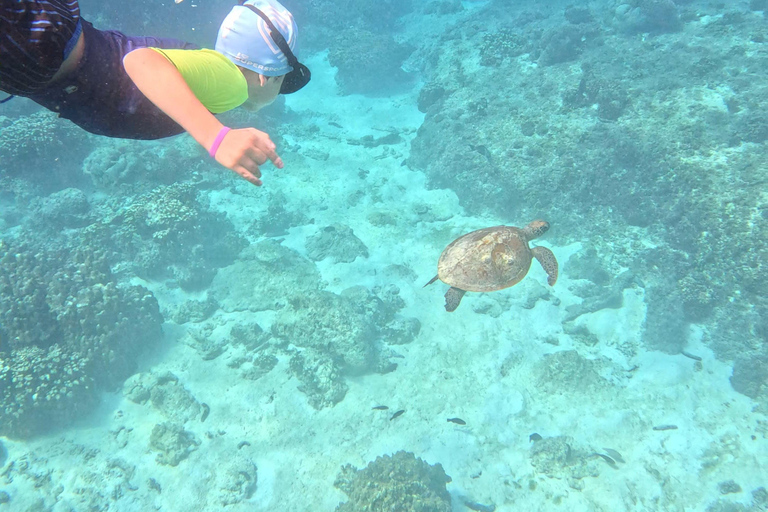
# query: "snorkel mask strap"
276 36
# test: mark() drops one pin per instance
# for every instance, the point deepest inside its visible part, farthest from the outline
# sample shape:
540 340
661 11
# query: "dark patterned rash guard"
35 37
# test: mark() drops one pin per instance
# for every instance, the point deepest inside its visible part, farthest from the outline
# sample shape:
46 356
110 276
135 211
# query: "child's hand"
244 150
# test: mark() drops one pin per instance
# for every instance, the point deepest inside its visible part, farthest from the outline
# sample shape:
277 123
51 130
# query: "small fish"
534 437
206 412
398 413
457 421
337 125
665 427
241 444
614 455
380 408
482 150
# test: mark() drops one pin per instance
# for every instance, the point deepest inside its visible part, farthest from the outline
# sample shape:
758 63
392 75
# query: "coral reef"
65 209
168 233
750 376
69 331
120 166
41 148
397 482
380 71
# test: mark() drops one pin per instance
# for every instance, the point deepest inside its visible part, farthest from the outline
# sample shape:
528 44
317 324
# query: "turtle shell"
486 260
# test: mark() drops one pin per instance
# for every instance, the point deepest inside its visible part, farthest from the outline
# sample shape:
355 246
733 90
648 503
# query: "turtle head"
536 228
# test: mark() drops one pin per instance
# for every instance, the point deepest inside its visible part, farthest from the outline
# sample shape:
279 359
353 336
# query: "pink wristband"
217 141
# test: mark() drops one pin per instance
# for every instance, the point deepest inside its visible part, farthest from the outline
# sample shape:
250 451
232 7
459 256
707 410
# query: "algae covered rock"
173 442
320 378
165 392
559 457
399 482
236 480
567 372
329 323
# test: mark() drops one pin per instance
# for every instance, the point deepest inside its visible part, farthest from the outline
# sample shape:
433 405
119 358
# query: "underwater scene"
506 255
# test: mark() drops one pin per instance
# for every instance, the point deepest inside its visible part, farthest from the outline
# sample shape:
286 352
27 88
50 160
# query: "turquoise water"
172 337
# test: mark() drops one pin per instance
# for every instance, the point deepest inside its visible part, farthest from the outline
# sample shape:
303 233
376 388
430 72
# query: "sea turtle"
492 259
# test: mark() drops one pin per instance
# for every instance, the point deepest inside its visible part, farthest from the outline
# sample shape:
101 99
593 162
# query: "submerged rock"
337 242
236 480
262 278
397 482
173 442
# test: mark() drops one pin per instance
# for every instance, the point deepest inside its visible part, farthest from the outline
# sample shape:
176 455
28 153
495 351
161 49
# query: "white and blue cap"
244 37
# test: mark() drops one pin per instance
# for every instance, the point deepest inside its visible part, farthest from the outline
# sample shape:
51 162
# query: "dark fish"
337 125
457 421
206 412
534 437
398 413
243 443
665 427
380 408
482 150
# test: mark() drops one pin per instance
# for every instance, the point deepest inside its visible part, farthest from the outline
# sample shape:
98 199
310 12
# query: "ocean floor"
504 363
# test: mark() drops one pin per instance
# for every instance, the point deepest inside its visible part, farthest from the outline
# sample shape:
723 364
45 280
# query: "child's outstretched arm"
242 151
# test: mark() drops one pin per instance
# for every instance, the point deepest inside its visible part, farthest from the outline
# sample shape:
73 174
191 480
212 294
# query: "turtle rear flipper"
548 262
453 298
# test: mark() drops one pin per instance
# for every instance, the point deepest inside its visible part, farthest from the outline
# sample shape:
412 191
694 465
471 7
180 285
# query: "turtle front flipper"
548 262
453 298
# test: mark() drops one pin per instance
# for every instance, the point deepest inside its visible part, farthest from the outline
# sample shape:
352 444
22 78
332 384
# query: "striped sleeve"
33 37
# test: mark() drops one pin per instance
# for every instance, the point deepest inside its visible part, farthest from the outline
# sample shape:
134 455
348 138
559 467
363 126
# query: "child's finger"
247 175
273 157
